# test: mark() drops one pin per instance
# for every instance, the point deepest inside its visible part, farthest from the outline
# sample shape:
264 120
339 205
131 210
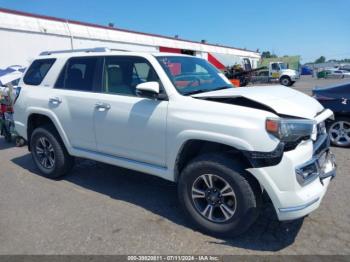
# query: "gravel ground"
100 209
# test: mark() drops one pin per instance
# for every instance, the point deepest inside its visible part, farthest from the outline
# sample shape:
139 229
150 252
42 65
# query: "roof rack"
87 50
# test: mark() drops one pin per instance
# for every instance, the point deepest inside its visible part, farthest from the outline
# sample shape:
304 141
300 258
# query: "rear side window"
37 71
79 73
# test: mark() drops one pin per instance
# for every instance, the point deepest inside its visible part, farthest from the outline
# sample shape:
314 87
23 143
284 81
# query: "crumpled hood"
281 99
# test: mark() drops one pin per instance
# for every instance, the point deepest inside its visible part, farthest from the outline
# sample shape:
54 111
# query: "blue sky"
308 28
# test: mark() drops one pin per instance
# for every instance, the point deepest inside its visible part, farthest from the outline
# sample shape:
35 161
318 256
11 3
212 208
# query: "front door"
126 125
275 71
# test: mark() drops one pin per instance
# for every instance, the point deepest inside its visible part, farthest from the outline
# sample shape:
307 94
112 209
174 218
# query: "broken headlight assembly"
291 130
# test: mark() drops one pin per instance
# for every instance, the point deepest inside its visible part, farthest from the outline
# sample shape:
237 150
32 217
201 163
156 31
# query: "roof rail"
87 50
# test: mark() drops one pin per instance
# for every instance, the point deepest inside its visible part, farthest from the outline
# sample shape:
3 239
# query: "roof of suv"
99 52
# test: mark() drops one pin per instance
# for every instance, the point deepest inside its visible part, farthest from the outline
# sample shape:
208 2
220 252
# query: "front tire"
218 196
286 81
49 154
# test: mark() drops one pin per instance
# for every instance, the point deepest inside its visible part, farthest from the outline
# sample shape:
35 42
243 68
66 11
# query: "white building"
23 36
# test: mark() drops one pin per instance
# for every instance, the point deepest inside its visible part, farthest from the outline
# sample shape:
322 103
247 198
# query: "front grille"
321 144
321 129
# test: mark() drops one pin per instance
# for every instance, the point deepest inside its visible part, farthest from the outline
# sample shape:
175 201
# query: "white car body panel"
133 128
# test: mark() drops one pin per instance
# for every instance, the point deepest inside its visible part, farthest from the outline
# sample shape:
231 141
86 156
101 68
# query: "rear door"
129 126
74 97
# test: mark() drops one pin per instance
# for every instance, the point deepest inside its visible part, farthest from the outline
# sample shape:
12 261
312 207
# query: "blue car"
337 98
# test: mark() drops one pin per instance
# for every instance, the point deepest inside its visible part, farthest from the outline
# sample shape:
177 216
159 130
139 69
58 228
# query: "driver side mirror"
148 89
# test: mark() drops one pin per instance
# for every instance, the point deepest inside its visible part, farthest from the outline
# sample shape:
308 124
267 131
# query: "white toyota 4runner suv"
177 117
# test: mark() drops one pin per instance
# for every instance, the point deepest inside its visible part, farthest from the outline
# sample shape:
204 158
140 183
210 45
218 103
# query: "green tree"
267 54
321 59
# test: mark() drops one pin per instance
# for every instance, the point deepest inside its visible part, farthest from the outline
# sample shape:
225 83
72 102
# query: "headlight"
290 130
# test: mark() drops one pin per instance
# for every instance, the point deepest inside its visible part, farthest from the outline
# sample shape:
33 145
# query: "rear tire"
241 202
49 153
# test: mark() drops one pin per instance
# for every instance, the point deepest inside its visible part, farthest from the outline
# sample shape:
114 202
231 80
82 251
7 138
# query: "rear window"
37 71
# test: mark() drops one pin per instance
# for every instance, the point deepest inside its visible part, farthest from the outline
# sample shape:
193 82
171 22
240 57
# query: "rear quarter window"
37 71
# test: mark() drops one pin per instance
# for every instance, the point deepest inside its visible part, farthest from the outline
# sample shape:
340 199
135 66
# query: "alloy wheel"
214 198
339 133
45 153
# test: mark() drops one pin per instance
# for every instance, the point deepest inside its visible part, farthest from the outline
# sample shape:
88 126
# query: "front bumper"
295 77
326 172
291 197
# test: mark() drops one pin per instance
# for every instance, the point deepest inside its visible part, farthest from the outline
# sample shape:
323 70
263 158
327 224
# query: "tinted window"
80 73
122 74
37 71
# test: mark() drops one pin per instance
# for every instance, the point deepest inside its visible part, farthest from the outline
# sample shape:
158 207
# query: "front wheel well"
35 121
193 148
285 76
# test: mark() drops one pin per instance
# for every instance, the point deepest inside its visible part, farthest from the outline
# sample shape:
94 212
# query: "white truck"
177 117
279 71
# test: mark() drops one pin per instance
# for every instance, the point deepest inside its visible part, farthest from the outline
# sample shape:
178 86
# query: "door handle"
55 100
102 106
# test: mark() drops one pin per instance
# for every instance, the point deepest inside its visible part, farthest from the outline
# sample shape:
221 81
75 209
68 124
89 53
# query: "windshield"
192 75
283 66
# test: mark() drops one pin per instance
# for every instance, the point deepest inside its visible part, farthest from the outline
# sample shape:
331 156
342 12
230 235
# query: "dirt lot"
100 209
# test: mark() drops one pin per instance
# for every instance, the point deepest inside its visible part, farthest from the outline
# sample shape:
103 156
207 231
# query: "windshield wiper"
198 91
221 88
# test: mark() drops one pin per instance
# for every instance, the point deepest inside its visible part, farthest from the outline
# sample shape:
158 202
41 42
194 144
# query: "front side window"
122 74
192 75
79 74
275 66
37 71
